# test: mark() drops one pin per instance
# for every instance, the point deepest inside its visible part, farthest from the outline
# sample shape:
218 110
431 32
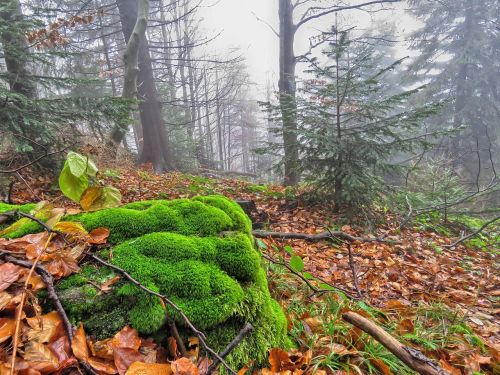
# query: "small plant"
79 182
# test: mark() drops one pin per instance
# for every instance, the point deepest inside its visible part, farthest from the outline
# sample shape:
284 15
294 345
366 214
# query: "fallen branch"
352 265
413 358
10 214
473 234
316 237
167 301
230 347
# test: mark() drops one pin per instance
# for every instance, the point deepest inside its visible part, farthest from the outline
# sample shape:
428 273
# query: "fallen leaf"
7 328
382 366
124 357
126 338
46 328
183 366
139 368
102 366
40 357
9 273
79 344
98 236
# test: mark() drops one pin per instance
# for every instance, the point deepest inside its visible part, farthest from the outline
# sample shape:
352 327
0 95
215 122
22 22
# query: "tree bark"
287 92
156 148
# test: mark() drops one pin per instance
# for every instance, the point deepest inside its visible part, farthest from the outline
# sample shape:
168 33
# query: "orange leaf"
98 236
7 329
139 368
40 357
89 196
79 345
127 338
184 366
62 265
381 365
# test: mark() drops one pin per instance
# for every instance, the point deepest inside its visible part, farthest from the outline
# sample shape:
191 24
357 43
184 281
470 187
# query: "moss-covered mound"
200 254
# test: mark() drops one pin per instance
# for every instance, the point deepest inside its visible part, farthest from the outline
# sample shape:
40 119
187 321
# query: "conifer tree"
351 121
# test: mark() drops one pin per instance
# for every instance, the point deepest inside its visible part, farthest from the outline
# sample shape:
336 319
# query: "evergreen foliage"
351 122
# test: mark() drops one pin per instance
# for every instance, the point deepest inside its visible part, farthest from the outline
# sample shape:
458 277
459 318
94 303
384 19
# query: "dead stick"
352 265
316 237
413 358
177 336
230 347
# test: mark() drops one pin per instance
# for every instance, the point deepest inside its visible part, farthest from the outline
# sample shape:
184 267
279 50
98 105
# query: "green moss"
176 248
241 222
26 208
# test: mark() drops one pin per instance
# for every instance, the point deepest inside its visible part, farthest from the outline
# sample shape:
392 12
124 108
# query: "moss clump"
241 222
26 208
200 254
182 216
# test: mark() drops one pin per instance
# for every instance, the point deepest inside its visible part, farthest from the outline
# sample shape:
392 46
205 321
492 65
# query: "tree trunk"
156 148
287 91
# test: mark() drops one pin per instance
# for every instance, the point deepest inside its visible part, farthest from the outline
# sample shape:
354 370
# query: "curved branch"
341 8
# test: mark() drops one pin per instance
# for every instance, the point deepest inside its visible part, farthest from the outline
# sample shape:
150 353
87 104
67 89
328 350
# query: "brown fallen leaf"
124 357
79 344
102 366
98 236
127 338
9 273
41 358
139 368
46 328
183 366
7 328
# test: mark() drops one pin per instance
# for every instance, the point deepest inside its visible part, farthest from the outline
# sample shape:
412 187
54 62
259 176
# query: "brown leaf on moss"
98 236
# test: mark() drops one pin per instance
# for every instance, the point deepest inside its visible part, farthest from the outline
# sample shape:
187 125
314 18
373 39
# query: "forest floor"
442 301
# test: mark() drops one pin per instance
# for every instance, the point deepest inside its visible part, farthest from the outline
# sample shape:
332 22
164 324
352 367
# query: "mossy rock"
199 253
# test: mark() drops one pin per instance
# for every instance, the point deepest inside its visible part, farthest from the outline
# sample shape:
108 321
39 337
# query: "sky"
239 24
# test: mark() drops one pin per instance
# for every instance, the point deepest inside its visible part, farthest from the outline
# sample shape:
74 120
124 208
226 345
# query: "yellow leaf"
89 196
70 227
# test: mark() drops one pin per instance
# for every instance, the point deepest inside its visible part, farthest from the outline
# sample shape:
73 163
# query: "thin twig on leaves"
177 337
473 234
186 320
308 282
352 265
317 237
10 214
20 307
230 347
51 291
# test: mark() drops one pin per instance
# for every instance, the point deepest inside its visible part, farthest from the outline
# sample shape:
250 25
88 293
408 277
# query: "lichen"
200 254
